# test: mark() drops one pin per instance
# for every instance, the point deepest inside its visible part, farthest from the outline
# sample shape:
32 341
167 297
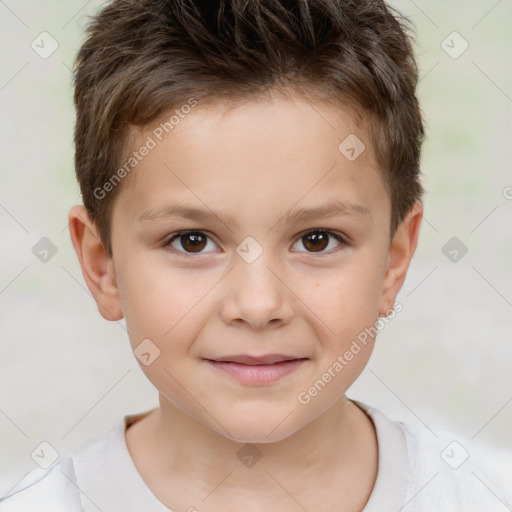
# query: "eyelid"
340 237
329 231
173 236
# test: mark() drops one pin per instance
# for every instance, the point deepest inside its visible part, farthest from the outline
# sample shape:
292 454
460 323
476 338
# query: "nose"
256 295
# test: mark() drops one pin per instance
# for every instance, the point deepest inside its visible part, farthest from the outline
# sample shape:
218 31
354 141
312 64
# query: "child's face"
303 297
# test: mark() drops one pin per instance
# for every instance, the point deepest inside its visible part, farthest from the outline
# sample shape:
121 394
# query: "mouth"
256 360
257 369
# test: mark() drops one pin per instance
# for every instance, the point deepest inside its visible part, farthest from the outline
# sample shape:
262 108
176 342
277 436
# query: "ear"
401 252
97 265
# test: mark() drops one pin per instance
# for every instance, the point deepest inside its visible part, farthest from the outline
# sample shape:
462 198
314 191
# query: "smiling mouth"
247 359
257 370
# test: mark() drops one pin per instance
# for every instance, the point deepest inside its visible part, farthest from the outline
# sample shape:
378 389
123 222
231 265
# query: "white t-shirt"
417 472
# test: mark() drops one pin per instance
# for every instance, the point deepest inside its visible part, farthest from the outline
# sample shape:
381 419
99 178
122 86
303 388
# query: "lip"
257 370
256 360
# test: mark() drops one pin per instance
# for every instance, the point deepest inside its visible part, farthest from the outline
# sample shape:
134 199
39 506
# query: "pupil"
316 241
193 242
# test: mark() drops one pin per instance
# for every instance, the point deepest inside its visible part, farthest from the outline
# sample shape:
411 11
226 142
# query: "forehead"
274 151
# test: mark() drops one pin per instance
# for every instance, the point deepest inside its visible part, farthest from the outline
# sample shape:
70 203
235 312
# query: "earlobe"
401 251
97 266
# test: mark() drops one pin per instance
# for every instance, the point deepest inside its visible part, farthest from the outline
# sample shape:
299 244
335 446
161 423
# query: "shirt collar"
109 481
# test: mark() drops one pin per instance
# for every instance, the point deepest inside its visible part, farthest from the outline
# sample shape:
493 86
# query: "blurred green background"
67 374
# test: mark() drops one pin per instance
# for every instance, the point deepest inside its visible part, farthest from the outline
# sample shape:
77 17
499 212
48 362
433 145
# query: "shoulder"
78 481
44 490
444 471
57 489
451 472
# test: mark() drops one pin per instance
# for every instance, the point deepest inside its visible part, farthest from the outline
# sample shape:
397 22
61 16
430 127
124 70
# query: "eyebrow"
331 209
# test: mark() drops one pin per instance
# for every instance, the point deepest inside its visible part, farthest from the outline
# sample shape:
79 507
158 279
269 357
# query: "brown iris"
315 241
193 242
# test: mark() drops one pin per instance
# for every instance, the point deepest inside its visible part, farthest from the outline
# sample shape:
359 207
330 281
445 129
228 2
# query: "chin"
257 436
260 428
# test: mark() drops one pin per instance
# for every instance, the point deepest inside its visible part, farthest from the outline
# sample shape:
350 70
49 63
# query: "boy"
250 178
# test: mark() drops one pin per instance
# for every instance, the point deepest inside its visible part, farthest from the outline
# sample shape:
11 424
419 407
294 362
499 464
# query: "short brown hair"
145 57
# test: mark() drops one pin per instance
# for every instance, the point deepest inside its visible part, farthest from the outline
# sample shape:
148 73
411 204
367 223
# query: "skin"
256 162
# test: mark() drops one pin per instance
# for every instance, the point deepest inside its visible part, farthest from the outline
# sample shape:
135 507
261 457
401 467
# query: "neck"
173 452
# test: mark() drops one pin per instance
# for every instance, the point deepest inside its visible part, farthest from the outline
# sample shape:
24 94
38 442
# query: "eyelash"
343 242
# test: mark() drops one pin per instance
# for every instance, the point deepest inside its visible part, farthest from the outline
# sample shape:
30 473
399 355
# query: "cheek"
344 299
162 303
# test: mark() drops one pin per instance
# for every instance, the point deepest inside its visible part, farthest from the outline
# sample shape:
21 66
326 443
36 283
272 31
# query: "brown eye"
317 241
193 242
189 242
